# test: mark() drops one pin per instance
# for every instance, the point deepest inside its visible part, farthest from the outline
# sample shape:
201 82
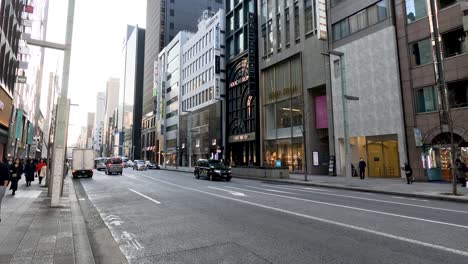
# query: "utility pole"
63 108
445 115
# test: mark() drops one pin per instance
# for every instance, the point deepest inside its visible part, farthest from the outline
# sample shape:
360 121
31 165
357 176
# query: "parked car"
101 164
139 165
151 165
212 169
114 165
129 163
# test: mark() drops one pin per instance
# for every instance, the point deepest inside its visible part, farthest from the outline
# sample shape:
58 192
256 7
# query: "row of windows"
427 98
193 67
198 99
197 47
361 20
453 43
417 9
198 81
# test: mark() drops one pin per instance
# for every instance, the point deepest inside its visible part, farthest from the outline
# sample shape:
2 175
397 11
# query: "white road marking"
413 199
270 190
375 200
229 191
147 197
363 229
315 189
357 208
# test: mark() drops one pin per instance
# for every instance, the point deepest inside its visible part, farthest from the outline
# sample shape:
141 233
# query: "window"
171 128
458 94
373 15
270 37
308 16
421 52
382 10
415 9
265 41
171 12
446 3
278 32
171 25
454 42
288 26
426 100
296 21
264 11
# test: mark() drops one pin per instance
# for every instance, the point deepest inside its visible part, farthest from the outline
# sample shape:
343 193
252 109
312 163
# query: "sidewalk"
33 232
426 190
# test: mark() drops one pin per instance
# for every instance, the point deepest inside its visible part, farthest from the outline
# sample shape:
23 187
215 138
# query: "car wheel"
211 177
228 178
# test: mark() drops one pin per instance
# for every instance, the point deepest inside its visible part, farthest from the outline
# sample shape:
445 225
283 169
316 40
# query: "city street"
171 217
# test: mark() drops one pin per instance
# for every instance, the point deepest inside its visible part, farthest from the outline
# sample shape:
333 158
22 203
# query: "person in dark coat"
408 173
29 170
4 181
16 170
362 168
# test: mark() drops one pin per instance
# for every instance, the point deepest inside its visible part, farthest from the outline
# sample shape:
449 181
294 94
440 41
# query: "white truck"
83 162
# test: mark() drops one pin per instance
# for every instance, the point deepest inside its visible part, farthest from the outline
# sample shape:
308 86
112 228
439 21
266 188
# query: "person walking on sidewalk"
43 172
39 168
362 168
15 175
461 170
4 181
408 173
29 170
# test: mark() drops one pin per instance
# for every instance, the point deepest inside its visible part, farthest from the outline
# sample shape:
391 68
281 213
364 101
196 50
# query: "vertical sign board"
332 166
19 123
252 60
155 87
321 15
217 37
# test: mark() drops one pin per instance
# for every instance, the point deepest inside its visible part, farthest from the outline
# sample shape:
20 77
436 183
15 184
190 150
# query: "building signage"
23 50
242 138
19 123
217 64
23 65
217 93
27 23
217 37
5 108
239 81
2 105
21 79
28 9
252 58
315 158
321 14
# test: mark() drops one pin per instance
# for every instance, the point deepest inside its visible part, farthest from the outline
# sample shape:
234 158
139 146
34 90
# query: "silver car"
101 164
114 165
139 165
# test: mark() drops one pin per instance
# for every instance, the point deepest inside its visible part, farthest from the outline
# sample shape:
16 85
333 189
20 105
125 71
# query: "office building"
128 136
99 123
242 131
202 123
295 120
170 79
427 126
164 19
376 133
111 103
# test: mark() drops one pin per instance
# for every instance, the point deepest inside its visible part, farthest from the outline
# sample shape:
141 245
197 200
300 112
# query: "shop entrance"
243 153
382 156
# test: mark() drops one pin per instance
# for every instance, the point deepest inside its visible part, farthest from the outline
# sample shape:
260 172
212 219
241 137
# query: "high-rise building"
202 123
170 78
111 103
99 123
164 19
90 129
242 131
128 136
364 32
423 77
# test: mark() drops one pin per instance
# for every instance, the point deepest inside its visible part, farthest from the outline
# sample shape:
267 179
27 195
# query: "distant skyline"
99 30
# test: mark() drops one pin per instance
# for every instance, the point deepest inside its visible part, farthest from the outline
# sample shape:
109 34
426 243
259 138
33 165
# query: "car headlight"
217 171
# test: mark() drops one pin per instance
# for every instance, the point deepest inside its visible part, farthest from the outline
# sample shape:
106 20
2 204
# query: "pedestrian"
29 170
4 181
408 173
461 170
15 175
38 169
362 168
43 172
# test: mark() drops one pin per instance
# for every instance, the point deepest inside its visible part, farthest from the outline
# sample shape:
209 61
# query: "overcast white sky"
99 30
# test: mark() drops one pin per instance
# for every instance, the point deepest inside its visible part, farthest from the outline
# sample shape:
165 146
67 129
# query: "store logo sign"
239 81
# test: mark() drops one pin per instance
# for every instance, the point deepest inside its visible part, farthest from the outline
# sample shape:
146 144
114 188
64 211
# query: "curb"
357 189
83 251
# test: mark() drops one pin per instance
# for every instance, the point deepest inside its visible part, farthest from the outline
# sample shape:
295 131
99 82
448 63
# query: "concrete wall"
372 74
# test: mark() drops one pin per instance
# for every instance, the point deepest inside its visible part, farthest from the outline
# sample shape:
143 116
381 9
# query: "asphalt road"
170 217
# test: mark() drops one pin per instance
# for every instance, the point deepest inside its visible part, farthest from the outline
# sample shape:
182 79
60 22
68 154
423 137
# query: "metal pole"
347 169
63 105
189 126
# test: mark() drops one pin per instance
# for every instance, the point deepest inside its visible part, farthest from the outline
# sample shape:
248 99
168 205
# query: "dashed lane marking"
147 197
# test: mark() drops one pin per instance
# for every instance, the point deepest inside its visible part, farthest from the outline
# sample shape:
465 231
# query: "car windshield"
114 161
217 164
